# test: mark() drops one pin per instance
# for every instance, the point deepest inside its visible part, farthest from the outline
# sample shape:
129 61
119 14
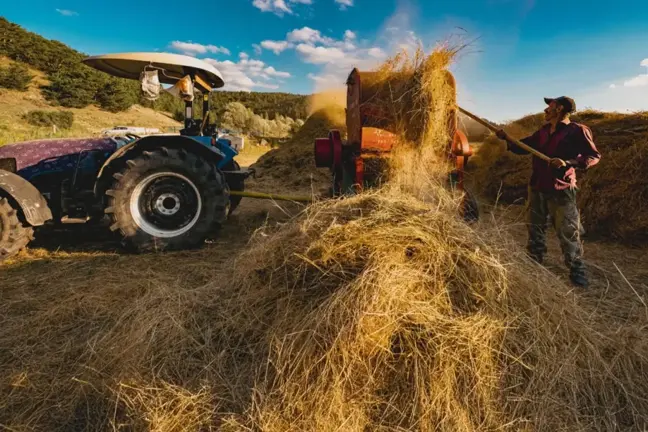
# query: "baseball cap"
567 102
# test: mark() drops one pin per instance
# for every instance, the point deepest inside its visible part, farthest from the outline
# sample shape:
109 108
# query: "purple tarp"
30 153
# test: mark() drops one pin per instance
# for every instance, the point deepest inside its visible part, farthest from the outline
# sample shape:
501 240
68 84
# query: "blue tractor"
161 192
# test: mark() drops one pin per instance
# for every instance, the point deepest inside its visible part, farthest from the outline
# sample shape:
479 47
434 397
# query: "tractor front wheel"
167 199
14 236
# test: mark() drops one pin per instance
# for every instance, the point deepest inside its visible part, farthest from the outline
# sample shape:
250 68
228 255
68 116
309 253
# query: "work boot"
579 279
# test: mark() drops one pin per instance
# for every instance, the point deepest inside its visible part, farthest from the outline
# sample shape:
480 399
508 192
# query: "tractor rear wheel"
167 199
14 236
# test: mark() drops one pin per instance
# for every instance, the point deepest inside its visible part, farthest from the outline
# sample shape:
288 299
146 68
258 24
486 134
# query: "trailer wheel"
14 236
167 199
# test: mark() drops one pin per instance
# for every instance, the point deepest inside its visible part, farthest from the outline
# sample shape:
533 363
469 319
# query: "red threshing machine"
371 137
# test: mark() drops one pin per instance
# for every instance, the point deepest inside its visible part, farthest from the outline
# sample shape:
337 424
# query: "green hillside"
72 84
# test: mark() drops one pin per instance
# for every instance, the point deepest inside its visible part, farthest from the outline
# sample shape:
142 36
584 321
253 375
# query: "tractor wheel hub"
168 204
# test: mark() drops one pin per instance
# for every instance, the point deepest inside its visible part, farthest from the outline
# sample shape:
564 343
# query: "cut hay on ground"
384 313
613 194
380 312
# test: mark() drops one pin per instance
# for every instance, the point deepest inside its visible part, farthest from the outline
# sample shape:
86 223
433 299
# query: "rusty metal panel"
353 119
377 140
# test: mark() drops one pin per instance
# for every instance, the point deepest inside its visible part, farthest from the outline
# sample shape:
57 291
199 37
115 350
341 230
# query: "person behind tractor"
552 187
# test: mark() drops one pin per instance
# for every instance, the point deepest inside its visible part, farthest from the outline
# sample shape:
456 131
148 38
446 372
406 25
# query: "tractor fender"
117 160
32 204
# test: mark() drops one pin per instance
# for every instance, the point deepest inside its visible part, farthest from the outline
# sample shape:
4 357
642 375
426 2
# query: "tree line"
238 117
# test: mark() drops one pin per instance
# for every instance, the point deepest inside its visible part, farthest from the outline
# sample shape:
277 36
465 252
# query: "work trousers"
561 208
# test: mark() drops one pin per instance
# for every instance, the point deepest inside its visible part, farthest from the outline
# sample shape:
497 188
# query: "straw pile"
412 96
613 195
381 312
291 167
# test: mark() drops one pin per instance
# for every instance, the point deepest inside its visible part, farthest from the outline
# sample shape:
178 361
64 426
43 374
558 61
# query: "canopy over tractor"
372 132
173 67
183 72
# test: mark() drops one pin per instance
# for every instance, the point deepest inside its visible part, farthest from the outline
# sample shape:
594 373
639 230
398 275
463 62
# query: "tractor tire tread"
211 185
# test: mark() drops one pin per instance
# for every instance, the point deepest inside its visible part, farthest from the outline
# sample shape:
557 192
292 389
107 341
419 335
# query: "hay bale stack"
613 195
382 312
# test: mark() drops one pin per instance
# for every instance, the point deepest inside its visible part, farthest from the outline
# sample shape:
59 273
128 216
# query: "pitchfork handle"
514 141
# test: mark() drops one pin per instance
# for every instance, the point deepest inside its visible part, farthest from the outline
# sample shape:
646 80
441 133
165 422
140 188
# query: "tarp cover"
183 89
150 84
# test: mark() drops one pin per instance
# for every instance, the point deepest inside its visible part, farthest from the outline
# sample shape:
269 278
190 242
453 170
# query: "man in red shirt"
552 187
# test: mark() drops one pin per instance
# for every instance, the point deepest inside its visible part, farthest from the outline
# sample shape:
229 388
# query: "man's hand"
557 163
501 134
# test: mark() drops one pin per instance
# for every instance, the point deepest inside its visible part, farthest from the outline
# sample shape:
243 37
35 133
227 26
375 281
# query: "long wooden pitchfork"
513 140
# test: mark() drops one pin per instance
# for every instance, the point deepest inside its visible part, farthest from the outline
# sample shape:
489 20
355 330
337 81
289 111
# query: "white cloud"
241 76
275 46
192 49
621 99
308 35
243 55
257 49
377 53
336 57
344 3
320 54
638 81
233 74
67 12
252 67
273 72
278 7
326 81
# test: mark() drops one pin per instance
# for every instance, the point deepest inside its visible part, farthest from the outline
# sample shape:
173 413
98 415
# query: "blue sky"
521 51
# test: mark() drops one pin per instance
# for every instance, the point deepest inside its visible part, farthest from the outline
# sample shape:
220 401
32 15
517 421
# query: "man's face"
552 111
